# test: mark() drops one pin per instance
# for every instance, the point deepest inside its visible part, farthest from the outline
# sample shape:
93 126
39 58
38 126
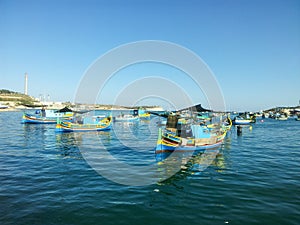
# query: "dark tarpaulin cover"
65 109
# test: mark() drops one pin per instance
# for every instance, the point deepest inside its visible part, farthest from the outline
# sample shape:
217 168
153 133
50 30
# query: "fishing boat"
241 121
126 118
142 114
96 123
45 116
281 117
3 106
244 119
187 137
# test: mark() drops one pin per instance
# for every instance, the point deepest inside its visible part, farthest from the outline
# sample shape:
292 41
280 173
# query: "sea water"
254 178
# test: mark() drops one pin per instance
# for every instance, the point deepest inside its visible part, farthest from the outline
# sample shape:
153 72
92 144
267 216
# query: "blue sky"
252 47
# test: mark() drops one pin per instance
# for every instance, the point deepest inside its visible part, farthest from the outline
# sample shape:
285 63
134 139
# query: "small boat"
47 116
97 123
126 118
241 121
281 117
3 106
244 119
142 114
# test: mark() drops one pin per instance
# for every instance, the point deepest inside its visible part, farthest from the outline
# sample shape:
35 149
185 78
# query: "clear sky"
251 46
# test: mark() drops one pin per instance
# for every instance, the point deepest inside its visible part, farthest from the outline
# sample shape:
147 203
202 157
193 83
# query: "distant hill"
15 98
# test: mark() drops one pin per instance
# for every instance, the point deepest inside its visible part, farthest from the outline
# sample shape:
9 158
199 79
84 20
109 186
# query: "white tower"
26 84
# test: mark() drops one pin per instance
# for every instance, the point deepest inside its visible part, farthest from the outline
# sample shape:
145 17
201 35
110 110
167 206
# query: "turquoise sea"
44 179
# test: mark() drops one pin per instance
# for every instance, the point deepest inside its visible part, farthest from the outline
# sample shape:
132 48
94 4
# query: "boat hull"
164 148
65 126
86 128
120 119
27 118
170 142
241 122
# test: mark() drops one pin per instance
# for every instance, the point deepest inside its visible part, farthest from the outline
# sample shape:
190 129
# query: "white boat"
281 117
3 106
126 118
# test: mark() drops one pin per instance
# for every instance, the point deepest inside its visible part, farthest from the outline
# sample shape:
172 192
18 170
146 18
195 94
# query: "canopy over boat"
195 108
65 109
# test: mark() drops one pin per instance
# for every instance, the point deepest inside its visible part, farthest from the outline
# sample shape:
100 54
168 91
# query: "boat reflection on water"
69 143
37 134
192 165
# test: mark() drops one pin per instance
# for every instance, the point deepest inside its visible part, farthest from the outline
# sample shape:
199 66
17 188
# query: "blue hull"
68 130
39 121
161 148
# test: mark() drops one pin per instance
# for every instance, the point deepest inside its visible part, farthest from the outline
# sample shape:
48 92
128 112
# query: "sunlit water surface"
44 178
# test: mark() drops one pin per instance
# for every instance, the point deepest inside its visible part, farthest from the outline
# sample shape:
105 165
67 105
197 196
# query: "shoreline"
14 109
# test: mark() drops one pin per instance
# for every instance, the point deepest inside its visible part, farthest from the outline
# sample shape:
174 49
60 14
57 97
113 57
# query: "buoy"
250 128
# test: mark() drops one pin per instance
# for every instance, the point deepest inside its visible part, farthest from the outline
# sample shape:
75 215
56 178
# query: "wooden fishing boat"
189 137
87 124
46 116
142 114
30 118
168 141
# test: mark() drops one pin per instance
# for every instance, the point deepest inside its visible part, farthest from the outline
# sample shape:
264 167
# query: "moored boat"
142 114
241 121
189 137
125 118
47 116
30 118
244 119
87 124
281 117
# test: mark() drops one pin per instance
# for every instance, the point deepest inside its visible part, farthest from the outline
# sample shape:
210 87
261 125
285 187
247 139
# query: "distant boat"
241 121
3 106
142 114
47 116
281 117
96 123
125 118
244 119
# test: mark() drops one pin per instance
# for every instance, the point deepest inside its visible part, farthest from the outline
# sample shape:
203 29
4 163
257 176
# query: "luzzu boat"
47 116
189 137
30 118
87 124
143 114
